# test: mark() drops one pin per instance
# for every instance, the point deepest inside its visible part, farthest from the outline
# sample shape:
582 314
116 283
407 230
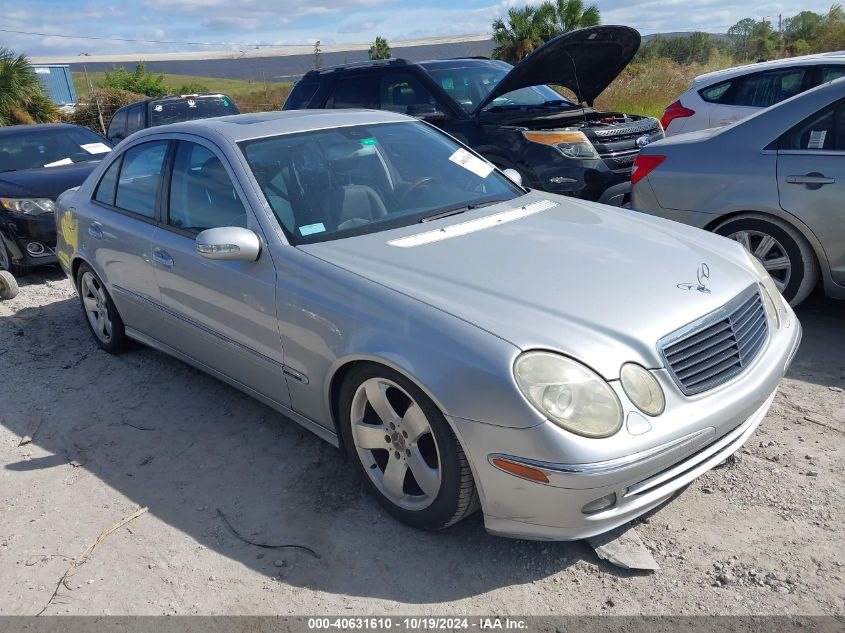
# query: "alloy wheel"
770 252
96 306
395 443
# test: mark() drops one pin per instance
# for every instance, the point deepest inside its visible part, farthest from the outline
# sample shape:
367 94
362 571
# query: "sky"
197 25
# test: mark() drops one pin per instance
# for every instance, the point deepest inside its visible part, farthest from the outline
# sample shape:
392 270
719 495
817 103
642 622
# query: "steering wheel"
352 223
426 180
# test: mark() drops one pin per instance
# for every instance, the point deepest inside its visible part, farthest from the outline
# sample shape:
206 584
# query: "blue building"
57 82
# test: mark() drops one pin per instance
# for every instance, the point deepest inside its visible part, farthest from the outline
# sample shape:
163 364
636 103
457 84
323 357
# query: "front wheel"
404 449
8 285
782 250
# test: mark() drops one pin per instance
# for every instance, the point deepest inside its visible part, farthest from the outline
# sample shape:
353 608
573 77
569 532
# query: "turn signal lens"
520 470
642 389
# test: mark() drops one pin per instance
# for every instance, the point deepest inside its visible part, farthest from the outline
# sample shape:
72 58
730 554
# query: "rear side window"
106 186
830 73
757 90
714 93
824 130
117 127
140 178
301 95
355 92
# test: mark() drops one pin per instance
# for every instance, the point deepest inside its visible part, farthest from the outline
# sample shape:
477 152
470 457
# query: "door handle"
95 230
162 258
813 178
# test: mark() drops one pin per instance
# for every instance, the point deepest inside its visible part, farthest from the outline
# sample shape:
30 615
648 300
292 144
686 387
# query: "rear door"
119 234
751 93
811 179
220 313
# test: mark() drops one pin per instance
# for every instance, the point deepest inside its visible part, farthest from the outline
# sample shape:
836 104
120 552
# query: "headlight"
28 206
571 143
772 299
569 394
643 389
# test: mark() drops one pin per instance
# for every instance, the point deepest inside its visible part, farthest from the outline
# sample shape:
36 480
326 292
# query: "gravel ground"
110 435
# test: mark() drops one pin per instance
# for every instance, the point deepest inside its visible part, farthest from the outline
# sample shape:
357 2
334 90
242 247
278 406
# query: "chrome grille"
717 347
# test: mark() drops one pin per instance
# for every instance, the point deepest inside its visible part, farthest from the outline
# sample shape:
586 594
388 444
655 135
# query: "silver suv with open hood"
509 114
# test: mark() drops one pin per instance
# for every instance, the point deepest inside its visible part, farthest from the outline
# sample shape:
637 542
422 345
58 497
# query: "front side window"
470 85
117 127
140 178
201 193
829 73
135 118
402 93
824 130
334 183
355 92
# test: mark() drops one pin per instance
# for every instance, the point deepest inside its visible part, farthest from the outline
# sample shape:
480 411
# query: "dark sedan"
37 163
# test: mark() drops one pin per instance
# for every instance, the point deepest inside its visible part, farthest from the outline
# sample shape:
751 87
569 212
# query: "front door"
811 180
220 313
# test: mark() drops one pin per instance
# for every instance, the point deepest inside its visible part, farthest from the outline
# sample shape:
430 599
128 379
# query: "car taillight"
674 111
643 165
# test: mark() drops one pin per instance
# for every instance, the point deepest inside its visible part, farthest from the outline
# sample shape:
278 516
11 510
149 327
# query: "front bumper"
694 435
31 241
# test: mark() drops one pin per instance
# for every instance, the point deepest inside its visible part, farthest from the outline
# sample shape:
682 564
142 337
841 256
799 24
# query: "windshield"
470 85
190 108
34 148
339 182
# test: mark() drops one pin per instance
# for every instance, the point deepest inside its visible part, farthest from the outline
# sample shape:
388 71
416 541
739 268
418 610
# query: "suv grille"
717 347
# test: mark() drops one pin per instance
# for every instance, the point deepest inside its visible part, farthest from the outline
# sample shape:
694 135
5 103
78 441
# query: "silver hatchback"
562 364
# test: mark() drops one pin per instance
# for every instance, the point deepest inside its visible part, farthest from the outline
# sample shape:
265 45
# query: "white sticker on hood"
817 139
471 226
472 163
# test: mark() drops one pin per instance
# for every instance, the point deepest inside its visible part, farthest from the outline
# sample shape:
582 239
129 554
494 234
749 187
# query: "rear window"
189 108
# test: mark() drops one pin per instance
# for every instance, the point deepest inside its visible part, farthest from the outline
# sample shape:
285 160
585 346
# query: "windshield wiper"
4 171
462 209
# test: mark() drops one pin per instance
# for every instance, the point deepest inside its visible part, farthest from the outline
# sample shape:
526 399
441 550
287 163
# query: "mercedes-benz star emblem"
702 275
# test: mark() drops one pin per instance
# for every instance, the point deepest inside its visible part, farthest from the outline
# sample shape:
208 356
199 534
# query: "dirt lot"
762 535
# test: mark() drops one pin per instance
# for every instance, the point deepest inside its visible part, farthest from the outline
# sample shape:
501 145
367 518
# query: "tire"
410 437
786 254
100 313
8 285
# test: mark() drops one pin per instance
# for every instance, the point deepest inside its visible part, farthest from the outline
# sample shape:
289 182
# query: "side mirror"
513 175
426 112
229 242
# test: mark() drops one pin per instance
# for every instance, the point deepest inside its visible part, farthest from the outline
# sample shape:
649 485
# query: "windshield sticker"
311 229
96 148
192 103
471 226
158 108
58 163
225 103
817 139
368 141
471 163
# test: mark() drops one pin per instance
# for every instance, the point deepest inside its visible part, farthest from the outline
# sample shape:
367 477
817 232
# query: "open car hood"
585 61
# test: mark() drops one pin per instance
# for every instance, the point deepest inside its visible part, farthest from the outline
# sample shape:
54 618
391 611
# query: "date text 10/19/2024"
425 623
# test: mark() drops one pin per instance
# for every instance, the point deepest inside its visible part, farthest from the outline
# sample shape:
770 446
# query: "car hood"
599 284
585 61
48 182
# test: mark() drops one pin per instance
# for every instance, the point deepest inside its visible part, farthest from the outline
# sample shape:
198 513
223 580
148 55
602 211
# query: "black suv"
171 109
507 113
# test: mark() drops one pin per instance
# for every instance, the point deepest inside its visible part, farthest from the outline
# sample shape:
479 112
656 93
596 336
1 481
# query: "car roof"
242 127
836 57
15 129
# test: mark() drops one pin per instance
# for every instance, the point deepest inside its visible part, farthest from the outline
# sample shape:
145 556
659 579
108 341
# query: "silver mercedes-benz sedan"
565 365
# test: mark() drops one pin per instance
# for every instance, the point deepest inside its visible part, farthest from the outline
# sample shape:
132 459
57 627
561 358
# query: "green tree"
22 99
568 15
751 39
192 88
140 81
803 26
525 29
380 49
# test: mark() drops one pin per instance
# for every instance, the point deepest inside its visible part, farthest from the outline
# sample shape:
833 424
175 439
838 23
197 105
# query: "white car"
725 96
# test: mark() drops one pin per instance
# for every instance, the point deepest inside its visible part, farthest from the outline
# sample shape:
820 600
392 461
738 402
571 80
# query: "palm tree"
380 49
22 99
524 31
571 14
